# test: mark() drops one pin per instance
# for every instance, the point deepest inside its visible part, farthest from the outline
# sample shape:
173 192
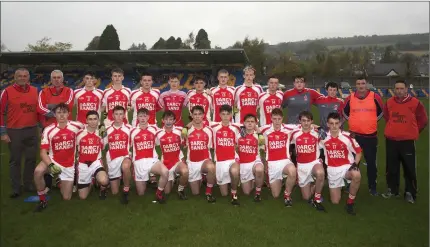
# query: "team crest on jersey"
305 98
248 142
137 138
277 137
335 107
223 94
56 137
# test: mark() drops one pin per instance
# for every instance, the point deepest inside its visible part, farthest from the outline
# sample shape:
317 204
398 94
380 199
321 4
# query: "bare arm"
45 157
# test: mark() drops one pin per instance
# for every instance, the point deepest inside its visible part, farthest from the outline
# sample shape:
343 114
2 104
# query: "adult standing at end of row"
18 128
363 110
406 117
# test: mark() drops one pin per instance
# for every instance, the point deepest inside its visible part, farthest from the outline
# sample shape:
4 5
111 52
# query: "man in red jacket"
406 117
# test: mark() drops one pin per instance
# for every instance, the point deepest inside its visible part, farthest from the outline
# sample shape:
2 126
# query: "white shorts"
114 167
142 168
276 168
336 176
67 173
223 171
85 172
195 171
304 171
247 171
172 172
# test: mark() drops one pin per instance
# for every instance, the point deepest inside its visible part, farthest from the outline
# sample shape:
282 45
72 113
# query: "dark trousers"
24 143
369 146
401 152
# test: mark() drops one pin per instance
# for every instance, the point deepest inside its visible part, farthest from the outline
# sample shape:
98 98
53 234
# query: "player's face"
277 120
249 76
225 116
249 123
57 79
333 124
400 90
22 77
89 81
117 77
197 116
174 83
332 92
299 83
199 85
361 85
146 82
118 116
93 121
306 123
61 115
142 118
223 78
273 84
169 122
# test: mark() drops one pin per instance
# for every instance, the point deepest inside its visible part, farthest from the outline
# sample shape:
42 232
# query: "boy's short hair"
333 115
250 115
62 106
143 111
90 113
168 113
277 112
226 108
197 108
306 114
118 108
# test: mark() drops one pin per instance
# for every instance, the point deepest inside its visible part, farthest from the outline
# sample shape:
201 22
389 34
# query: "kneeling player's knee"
319 173
335 201
104 181
164 172
211 167
184 171
67 197
234 170
39 171
259 169
126 164
356 176
83 197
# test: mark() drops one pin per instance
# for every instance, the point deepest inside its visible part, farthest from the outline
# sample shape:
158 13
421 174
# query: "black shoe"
350 209
182 195
373 192
41 206
288 202
318 206
160 199
389 194
14 195
124 198
103 194
257 198
235 200
210 198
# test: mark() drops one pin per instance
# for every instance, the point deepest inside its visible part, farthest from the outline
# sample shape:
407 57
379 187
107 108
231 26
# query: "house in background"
387 69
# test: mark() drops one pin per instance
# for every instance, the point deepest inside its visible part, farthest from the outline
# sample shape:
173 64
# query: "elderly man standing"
363 109
18 128
406 117
53 95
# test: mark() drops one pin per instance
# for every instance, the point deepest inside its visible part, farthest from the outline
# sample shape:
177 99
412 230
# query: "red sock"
126 189
42 196
287 195
351 199
159 191
209 189
257 191
317 197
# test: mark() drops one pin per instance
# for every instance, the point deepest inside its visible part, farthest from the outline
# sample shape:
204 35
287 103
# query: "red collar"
302 91
22 89
360 97
403 100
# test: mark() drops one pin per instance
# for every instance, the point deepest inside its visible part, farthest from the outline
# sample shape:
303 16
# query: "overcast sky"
78 23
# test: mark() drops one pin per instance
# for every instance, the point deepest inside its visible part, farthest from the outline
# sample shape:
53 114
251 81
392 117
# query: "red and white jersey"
112 98
173 101
89 146
148 100
86 101
61 142
339 150
199 143
307 145
246 100
277 141
266 103
118 139
225 141
248 148
143 142
221 96
202 99
170 144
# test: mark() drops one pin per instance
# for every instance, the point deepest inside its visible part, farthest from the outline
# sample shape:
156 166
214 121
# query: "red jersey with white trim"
277 141
174 101
221 96
266 103
143 142
90 145
225 141
202 99
170 144
86 101
148 100
118 139
248 148
246 100
199 142
307 145
112 98
49 97
61 142
339 150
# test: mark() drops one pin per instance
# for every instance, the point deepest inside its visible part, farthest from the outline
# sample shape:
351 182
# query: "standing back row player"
246 95
145 97
174 99
88 98
198 96
222 94
269 100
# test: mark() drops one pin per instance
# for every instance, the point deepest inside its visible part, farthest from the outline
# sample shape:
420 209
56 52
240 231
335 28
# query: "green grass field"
379 222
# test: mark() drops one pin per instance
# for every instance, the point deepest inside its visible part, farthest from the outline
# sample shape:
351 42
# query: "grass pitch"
379 222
